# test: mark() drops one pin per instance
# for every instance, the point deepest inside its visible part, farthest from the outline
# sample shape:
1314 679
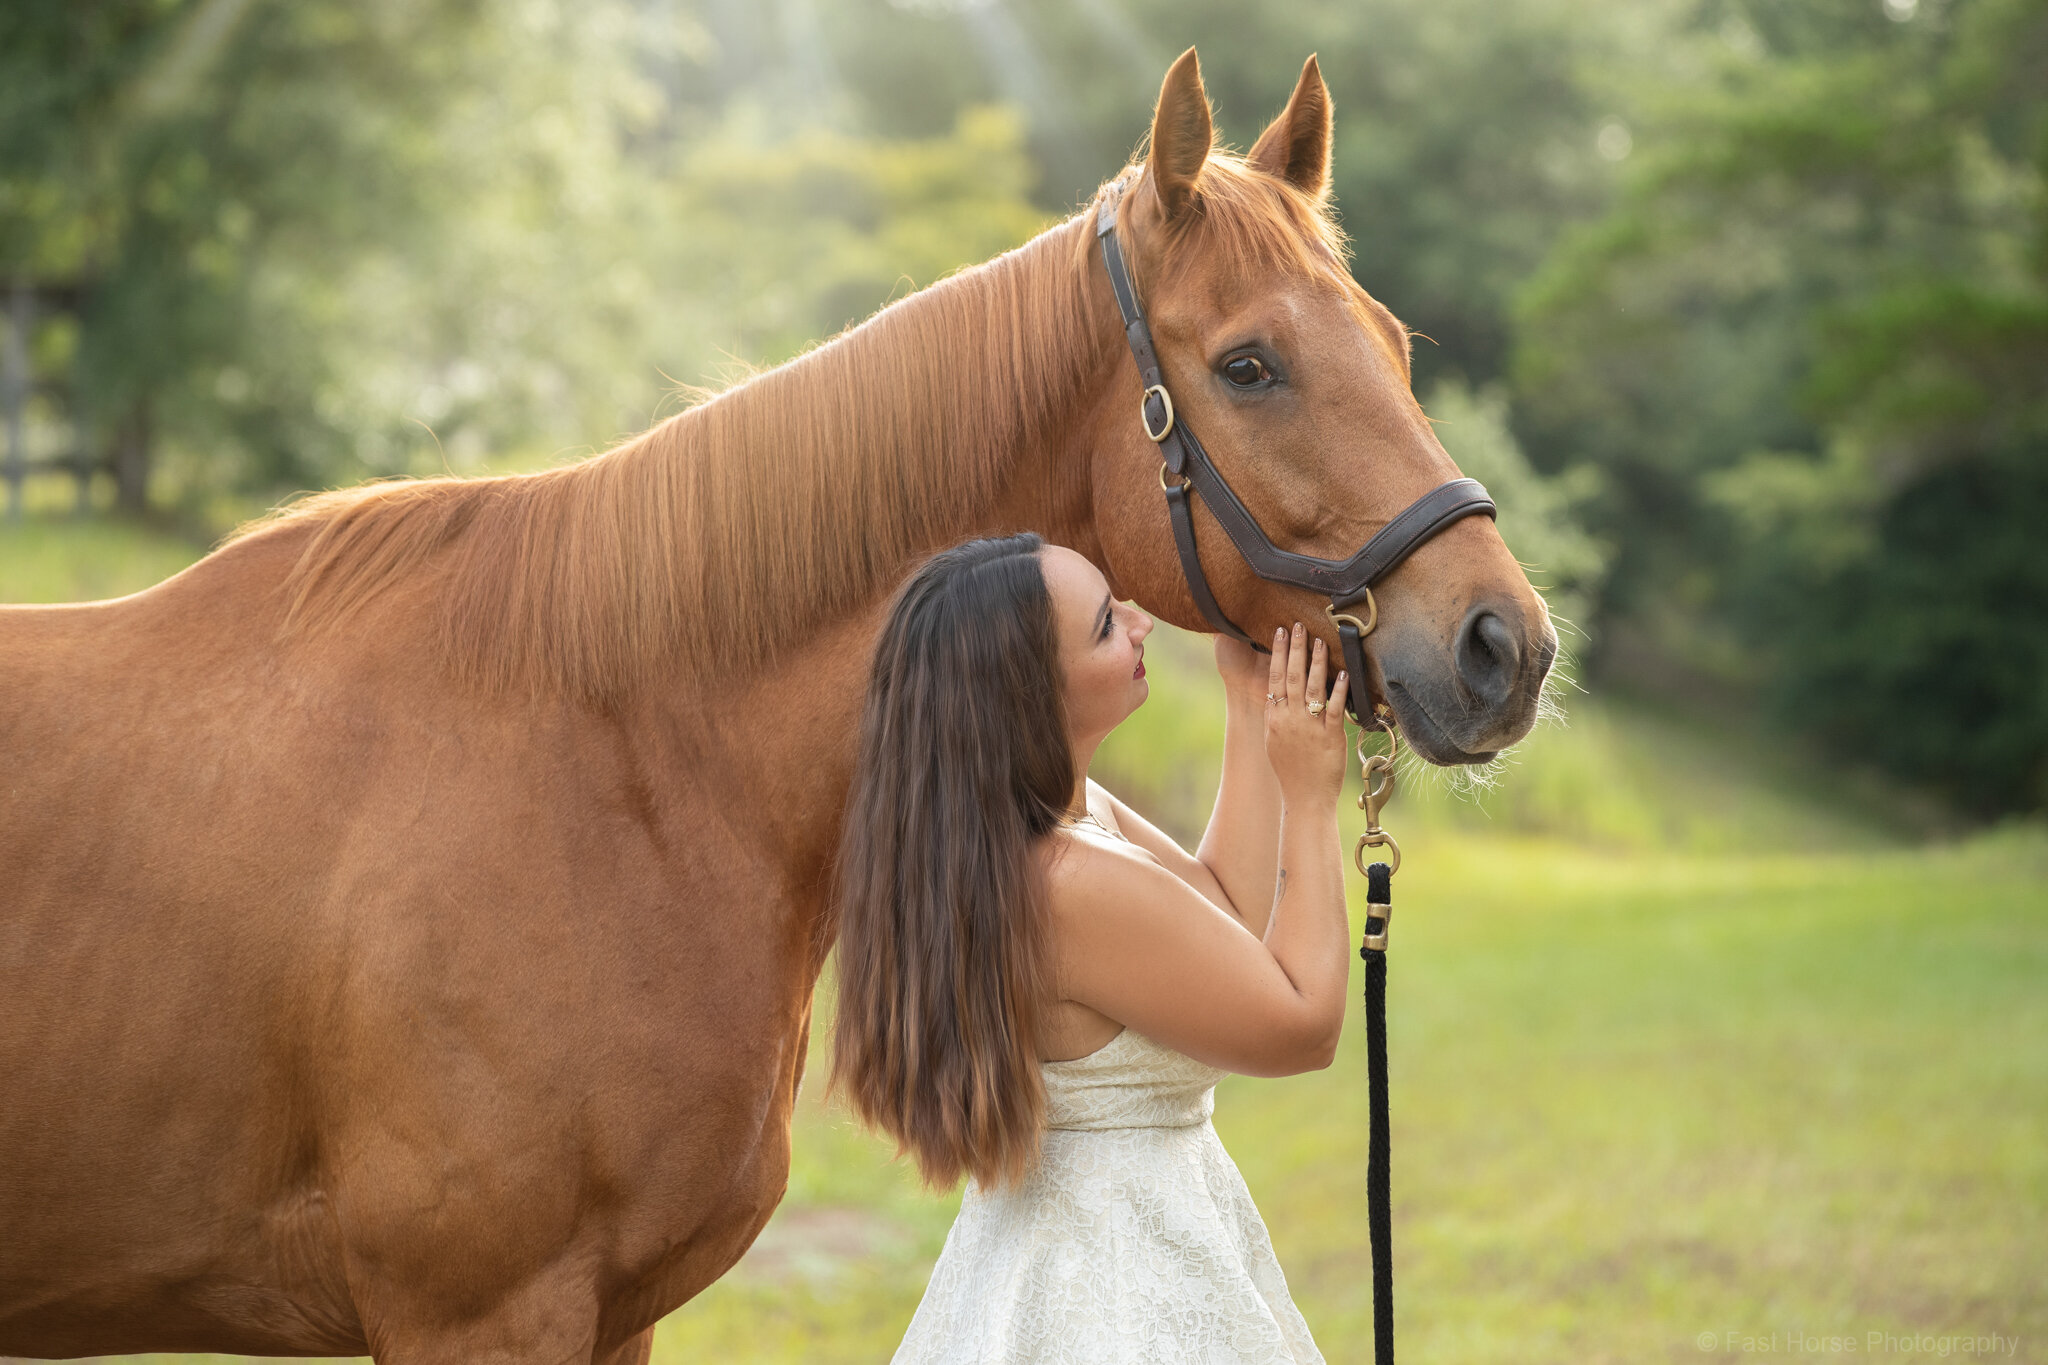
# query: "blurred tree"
789 240
288 238
1540 517
157 158
1840 251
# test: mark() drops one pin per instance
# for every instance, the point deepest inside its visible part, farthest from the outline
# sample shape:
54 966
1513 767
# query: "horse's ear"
1181 135
1297 145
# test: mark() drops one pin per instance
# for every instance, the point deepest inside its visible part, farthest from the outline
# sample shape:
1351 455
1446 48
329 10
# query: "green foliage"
341 240
302 232
1540 518
316 242
1815 327
1934 656
785 241
192 173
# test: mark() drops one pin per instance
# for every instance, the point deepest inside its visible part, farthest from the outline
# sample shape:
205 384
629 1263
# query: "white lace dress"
1134 1240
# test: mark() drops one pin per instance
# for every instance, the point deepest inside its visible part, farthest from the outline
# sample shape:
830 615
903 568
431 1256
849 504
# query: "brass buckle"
1378 942
1372 616
1146 418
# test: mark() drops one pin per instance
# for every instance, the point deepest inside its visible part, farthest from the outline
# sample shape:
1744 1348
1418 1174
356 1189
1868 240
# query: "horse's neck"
700 551
974 400
948 412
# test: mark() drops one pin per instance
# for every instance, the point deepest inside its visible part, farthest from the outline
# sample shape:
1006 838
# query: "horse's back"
123 731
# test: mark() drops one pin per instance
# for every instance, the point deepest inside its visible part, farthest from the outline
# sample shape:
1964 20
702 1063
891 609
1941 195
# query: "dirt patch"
820 1244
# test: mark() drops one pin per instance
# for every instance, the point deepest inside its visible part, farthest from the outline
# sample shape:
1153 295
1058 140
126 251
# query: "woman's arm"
1242 844
1239 855
1140 945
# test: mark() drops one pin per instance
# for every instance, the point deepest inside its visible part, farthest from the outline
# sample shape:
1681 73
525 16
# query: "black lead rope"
1379 1212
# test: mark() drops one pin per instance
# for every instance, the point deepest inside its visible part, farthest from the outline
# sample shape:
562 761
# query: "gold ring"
1376 838
1316 708
1270 699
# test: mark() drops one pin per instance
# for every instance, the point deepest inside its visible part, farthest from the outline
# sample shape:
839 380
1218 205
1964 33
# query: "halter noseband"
1346 582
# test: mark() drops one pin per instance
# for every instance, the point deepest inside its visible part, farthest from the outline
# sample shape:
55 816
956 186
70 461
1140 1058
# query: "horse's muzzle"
1485 699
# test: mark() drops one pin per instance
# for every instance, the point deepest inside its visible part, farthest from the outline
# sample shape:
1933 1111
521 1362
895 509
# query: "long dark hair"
945 956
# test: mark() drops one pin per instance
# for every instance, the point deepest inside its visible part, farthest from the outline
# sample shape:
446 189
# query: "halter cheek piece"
1346 582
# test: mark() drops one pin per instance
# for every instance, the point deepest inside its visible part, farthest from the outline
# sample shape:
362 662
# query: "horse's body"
357 1001
409 914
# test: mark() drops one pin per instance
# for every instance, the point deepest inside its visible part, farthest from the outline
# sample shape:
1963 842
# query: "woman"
1039 990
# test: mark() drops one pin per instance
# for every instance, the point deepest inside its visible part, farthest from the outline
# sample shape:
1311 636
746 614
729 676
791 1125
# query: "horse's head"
1297 382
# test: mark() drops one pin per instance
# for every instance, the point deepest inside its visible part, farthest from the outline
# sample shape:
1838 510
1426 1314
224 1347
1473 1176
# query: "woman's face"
1102 644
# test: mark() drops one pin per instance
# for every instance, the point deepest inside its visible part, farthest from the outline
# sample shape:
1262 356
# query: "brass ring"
1146 418
1372 617
1376 838
1163 484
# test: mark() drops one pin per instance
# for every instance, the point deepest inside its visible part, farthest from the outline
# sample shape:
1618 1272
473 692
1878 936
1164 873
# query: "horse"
411 911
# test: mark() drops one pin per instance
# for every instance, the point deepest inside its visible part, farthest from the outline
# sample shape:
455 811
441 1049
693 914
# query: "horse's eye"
1246 371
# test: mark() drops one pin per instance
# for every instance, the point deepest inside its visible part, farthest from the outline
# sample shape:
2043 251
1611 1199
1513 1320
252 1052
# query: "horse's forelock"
1244 220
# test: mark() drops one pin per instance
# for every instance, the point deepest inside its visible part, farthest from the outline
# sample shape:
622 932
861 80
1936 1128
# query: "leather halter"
1346 582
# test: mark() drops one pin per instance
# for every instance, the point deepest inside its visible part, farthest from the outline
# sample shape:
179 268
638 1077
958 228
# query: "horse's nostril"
1489 658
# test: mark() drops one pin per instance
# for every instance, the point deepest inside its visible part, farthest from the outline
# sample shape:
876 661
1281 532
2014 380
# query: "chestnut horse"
409 913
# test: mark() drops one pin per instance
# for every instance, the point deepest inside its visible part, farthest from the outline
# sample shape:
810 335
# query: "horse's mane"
798 494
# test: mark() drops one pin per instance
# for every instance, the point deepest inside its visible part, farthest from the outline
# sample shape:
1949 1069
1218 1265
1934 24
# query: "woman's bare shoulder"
1087 863
1093 878
1163 848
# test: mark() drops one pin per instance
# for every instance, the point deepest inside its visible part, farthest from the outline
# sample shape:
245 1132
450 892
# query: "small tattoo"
1280 891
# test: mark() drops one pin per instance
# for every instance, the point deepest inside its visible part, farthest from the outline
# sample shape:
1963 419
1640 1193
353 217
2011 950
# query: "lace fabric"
1134 1240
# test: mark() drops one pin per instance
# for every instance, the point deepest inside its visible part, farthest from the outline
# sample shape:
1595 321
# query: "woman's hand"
1306 751
1243 672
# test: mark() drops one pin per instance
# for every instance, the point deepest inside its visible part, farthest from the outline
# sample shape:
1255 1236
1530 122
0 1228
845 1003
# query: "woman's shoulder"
1085 867
1104 872
1085 849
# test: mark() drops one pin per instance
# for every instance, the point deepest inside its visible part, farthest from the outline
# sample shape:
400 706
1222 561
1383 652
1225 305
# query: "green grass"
1684 1041
1637 1097
58 559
